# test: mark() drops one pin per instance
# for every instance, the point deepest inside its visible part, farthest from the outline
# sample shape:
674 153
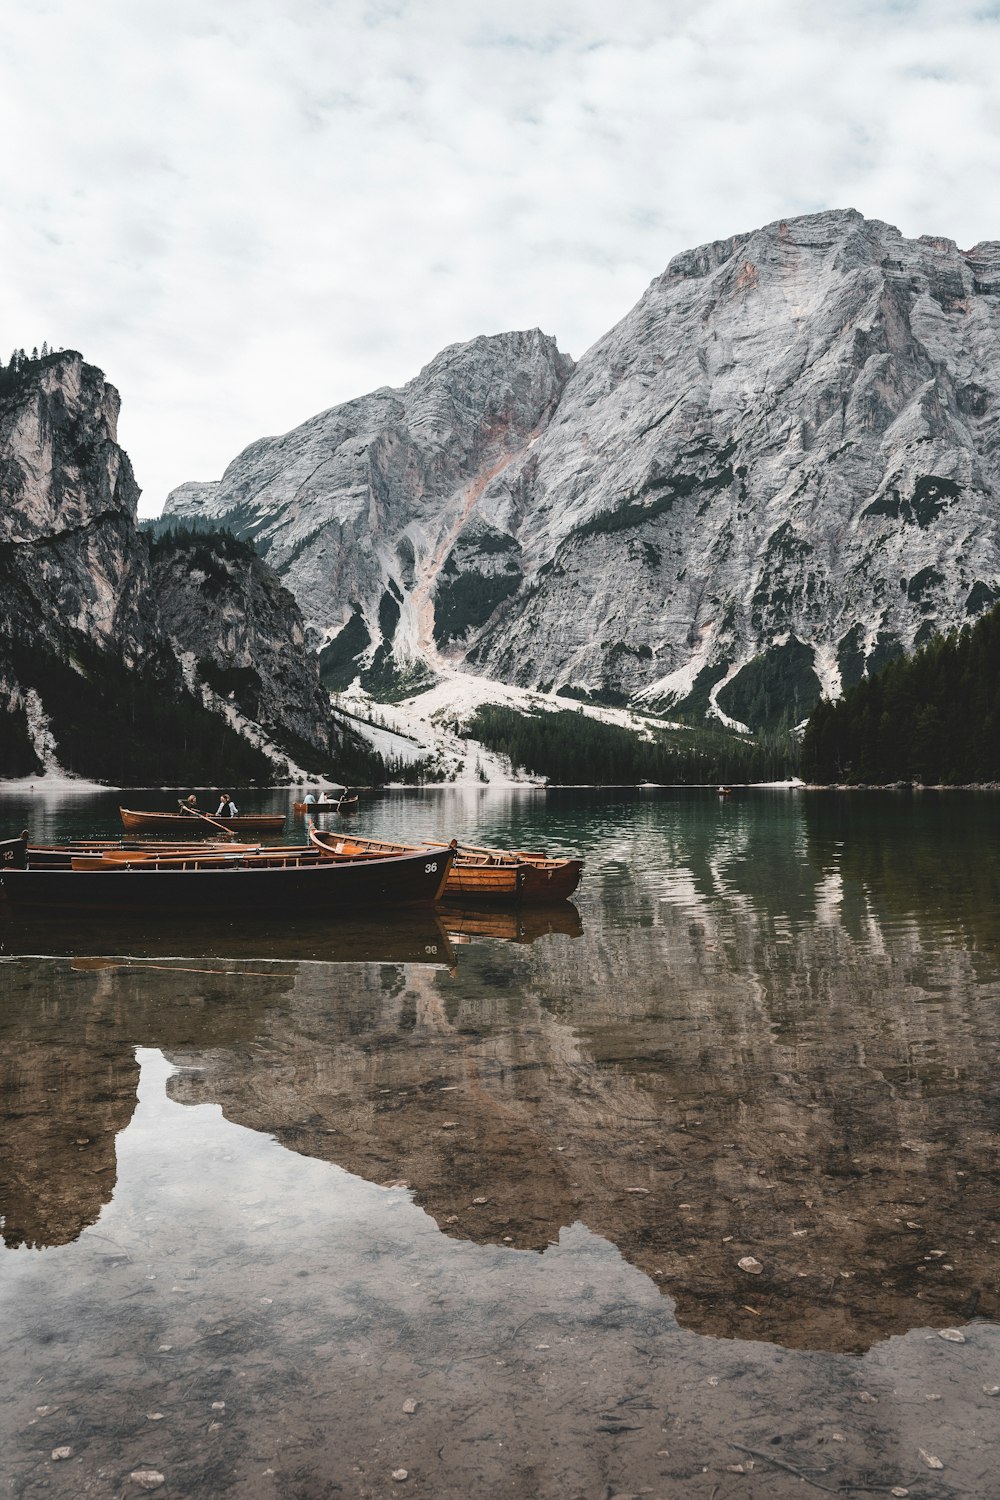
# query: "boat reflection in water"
80 995
514 924
405 936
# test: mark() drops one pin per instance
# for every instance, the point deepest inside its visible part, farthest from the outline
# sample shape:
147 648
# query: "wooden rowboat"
267 882
59 856
343 805
194 823
477 874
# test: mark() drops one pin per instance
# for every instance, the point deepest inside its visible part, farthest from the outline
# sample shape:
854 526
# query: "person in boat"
226 807
309 799
190 803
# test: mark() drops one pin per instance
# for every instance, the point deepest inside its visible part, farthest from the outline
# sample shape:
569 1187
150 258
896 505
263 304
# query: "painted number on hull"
430 869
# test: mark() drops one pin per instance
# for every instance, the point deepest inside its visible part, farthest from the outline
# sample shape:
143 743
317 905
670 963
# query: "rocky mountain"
776 472
372 513
239 632
113 664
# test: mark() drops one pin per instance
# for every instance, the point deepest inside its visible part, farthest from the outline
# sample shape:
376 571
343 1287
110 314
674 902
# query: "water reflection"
398 937
770 1030
244 1321
687 1108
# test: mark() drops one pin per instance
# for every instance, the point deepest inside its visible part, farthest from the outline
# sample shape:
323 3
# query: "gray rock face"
360 508
67 510
243 632
77 590
787 450
781 468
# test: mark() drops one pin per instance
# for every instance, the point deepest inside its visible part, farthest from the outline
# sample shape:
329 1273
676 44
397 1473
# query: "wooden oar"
196 812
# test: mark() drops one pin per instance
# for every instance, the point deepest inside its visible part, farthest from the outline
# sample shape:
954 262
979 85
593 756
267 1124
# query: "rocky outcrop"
89 633
241 633
779 470
781 467
366 509
67 518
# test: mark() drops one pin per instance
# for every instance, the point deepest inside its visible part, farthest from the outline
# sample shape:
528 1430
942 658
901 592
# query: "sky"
246 211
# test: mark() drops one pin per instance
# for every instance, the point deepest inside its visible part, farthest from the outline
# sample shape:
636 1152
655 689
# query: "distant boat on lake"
343 805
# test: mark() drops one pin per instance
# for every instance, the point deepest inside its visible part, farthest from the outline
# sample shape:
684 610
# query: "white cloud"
247 212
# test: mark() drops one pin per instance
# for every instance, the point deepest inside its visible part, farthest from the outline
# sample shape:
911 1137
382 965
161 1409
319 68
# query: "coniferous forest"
933 718
571 749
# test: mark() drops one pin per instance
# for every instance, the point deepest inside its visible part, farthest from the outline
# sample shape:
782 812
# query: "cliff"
360 510
778 471
99 652
240 633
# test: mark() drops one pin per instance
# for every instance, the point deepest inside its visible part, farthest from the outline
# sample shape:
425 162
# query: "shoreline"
70 785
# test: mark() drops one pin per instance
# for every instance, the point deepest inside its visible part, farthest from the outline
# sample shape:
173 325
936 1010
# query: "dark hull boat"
264 883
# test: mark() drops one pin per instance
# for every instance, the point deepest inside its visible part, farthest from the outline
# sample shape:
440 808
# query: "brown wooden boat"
59 856
265 881
192 823
477 873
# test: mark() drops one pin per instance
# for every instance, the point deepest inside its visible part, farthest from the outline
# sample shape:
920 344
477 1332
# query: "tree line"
571 748
19 366
933 718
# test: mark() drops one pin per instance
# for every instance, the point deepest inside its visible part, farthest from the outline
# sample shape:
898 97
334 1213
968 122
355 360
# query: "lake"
689 1188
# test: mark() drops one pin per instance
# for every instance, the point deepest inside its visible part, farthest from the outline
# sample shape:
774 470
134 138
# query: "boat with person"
267 881
476 873
345 805
193 821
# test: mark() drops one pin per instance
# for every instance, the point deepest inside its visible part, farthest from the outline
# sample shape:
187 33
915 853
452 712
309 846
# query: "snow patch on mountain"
430 725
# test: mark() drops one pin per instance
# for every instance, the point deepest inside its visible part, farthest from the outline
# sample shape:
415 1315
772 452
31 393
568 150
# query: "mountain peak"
776 471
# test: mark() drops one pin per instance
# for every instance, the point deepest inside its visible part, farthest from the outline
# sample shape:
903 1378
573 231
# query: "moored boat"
59 856
265 881
477 874
201 822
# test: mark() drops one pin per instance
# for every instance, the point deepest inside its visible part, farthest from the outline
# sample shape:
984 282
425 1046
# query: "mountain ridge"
777 471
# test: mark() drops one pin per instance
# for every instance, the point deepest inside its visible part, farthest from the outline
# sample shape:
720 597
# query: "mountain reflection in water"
771 1031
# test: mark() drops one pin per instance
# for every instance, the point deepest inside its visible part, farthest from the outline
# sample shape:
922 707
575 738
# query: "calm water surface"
290 1209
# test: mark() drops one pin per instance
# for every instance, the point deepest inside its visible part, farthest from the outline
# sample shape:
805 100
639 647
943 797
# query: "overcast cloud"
245 211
